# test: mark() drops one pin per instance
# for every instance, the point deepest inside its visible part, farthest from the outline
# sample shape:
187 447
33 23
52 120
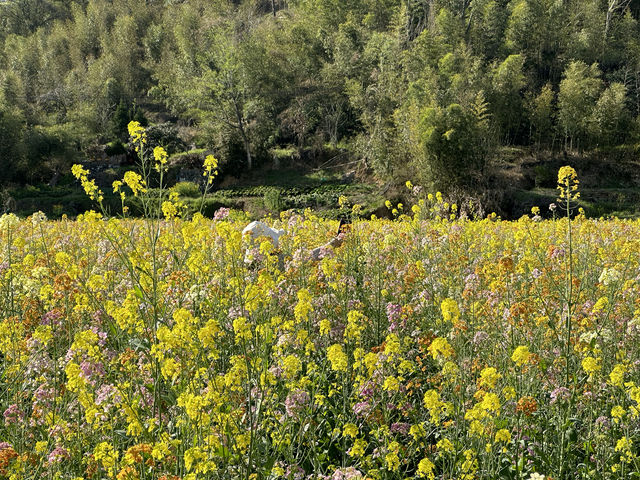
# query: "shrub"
115 148
273 200
187 189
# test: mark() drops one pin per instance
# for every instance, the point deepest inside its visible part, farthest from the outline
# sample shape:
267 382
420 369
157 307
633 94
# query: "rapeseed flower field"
429 346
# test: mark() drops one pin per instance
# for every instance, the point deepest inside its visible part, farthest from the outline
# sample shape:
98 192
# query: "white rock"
260 229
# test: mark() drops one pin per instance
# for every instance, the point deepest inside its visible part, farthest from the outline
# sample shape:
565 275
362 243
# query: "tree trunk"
249 159
463 9
273 7
417 21
613 5
243 134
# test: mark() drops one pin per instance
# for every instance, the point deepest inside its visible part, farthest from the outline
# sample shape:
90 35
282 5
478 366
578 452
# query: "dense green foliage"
424 88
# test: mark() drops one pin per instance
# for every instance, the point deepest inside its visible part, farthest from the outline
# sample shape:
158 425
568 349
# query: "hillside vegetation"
439 91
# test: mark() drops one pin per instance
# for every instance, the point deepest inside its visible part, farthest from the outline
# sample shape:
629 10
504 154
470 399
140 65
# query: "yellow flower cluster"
210 168
450 310
440 349
568 183
337 357
135 182
149 349
160 156
89 186
138 135
521 355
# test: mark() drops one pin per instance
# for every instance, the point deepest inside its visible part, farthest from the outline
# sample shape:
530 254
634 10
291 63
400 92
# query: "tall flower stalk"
568 187
145 276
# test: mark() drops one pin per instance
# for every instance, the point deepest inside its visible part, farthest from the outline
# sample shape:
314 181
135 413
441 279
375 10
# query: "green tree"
610 117
24 17
11 144
522 32
453 145
375 98
487 31
216 73
579 91
541 116
507 83
416 14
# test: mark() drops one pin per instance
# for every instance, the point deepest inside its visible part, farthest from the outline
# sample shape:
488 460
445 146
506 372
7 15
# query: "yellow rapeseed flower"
450 310
137 133
616 377
350 430
161 157
210 168
425 469
568 183
521 355
337 357
503 435
488 378
135 182
617 413
591 365
440 348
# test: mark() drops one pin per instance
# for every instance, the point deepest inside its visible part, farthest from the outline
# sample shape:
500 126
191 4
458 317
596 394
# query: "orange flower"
6 455
127 473
527 405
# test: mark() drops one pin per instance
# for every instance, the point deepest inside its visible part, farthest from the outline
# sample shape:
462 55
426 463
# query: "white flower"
609 276
587 337
536 476
38 217
8 220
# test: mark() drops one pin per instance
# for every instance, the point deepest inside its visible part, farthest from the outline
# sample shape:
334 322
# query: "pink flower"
295 402
13 414
58 455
